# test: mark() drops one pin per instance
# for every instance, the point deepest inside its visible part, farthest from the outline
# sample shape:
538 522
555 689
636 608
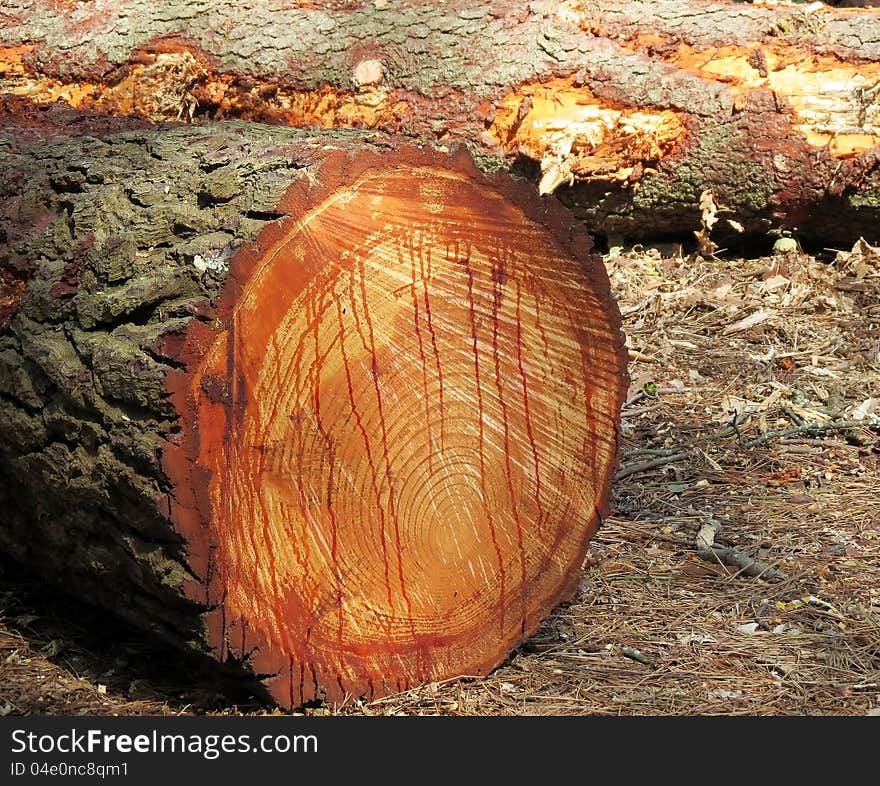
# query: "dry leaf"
775 282
864 409
708 209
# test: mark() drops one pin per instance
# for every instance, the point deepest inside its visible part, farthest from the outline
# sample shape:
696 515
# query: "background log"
340 411
640 105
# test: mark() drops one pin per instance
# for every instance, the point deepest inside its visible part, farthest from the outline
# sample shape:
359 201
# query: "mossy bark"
122 240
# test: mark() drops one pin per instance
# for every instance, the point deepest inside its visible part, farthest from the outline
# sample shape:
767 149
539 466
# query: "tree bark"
640 106
341 411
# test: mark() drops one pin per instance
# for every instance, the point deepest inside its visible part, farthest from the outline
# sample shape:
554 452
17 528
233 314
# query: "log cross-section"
391 423
406 418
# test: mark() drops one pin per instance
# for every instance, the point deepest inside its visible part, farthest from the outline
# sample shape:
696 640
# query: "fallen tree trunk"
341 411
640 106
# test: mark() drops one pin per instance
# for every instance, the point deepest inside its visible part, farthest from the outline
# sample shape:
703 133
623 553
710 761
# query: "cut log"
630 109
341 411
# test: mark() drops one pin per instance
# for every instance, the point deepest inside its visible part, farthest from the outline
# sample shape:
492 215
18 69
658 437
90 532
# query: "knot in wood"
368 73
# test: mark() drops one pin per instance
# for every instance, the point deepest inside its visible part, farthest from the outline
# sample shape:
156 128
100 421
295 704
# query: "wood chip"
750 321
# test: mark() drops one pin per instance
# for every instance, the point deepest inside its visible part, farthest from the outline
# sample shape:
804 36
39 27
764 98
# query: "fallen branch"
632 469
813 429
733 558
793 416
726 431
669 455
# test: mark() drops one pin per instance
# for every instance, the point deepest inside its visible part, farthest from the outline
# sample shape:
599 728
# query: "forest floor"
738 575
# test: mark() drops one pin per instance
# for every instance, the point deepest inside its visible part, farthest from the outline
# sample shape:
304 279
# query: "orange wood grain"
401 430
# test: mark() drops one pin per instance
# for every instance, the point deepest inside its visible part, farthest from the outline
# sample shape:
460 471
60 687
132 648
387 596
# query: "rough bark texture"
105 233
641 105
340 411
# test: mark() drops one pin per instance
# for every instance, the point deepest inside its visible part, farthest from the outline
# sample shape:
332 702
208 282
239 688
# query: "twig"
629 413
813 429
638 656
668 455
625 472
793 416
734 558
725 431
677 540
729 555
